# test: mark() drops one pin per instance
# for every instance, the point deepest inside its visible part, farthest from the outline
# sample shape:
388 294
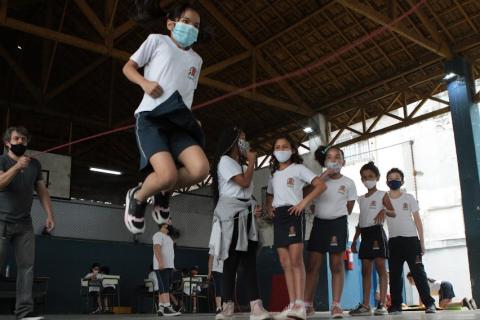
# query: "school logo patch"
192 72
375 245
292 232
342 189
290 182
373 204
405 206
333 241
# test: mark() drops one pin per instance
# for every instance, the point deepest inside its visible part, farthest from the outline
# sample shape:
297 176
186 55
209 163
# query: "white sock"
308 304
300 303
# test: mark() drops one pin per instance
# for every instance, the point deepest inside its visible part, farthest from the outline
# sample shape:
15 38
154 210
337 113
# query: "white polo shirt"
332 203
227 169
403 224
369 208
173 68
286 185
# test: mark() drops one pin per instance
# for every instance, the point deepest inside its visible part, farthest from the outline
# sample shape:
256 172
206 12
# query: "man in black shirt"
19 177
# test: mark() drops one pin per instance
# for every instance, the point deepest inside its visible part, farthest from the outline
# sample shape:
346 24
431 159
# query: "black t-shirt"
17 197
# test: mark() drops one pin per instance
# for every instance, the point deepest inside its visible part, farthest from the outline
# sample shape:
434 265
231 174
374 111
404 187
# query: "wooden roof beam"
432 30
210 7
64 38
254 96
379 18
91 17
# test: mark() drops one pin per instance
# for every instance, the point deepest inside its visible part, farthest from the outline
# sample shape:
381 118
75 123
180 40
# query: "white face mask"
283 156
370 184
333 165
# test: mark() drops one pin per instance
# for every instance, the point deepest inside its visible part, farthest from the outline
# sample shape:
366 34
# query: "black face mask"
18 149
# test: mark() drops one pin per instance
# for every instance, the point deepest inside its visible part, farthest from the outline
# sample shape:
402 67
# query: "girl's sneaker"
134 216
361 310
161 207
336 311
381 310
257 311
298 313
227 312
283 315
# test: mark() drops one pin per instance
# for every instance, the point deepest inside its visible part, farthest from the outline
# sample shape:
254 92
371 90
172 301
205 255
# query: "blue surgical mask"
184 34
394 184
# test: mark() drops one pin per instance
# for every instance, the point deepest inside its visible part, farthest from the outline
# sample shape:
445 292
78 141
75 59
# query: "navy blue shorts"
170 127
329 235
164 278
287 229
374 243
446 291
217 283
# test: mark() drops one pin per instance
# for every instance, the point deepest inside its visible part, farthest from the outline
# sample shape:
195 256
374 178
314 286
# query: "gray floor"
410 315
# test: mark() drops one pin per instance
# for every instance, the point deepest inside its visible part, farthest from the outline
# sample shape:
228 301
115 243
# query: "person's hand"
258 211
271 212
209 276
380 217
298 209
152 88
22 162
251 156
326 174
50 224
353 247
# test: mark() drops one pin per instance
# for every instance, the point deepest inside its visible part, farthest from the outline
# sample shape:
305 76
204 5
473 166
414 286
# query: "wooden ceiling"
66 83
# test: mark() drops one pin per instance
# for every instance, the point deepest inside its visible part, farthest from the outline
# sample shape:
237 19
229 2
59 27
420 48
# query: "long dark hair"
228 138
372 167
295 158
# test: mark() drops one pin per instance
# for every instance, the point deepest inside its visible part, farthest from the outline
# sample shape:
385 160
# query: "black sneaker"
168 311
134 213
31 316
466 303
473 304
431 309
395 310
161 207
160 311
361 310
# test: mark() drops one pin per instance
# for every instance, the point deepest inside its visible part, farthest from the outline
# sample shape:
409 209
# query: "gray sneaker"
381 310
361 310
431 309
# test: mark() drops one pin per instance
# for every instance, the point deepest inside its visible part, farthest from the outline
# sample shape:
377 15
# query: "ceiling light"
308 130
450 76
116 173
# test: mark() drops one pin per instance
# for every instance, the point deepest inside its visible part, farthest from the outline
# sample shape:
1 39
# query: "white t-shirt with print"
287 185
173 68
168 254
403 224
369 208
332 203
227 169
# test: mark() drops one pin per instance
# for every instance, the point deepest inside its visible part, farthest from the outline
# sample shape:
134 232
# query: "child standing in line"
406 244
330 227
286 203
374 206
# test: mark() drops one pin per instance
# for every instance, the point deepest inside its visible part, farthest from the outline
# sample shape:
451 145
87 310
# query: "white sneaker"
336 311
257 311
282 315
297 312
228 309
310 311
